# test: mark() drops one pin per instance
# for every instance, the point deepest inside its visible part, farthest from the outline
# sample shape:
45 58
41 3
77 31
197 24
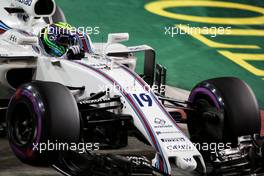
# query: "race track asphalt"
11 166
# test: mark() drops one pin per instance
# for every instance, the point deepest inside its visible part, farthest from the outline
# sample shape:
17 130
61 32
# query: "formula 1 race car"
98 99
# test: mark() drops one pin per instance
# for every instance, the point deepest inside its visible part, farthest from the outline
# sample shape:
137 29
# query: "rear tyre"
41 113
226 109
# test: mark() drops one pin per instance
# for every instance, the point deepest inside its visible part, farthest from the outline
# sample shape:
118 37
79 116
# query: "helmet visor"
66 40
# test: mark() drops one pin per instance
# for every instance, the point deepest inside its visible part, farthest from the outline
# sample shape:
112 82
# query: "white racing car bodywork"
97 72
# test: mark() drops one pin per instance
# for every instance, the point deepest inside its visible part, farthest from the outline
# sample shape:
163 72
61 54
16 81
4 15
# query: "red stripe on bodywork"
135 108
2 31
85 45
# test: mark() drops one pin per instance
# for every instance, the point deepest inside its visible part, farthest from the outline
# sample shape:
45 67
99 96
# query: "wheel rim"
24 127
208 123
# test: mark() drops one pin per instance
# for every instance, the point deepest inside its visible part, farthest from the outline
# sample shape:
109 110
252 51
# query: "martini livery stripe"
3 27
161 165
142 82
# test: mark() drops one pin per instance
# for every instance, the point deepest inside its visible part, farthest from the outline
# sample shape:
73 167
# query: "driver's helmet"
57 38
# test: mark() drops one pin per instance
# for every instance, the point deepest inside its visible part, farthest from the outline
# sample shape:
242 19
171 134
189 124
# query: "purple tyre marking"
207 92
39 114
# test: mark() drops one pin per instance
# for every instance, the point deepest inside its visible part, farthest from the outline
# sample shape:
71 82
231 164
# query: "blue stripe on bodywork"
4 26
139 113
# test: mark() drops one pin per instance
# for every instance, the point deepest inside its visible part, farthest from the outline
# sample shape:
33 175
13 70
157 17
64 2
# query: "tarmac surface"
11 166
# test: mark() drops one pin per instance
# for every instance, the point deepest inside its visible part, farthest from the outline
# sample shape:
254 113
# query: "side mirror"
117 37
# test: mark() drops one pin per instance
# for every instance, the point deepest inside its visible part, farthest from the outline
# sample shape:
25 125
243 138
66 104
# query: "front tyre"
40 113
226 108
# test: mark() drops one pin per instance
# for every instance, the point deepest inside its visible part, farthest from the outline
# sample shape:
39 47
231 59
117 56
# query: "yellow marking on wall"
159 8
199 36
241 58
